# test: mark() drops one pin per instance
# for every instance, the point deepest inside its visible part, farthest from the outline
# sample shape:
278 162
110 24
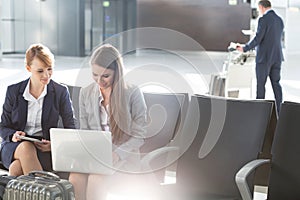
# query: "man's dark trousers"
263 70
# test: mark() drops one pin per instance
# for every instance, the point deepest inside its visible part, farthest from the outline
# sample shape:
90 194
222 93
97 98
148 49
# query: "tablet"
22 137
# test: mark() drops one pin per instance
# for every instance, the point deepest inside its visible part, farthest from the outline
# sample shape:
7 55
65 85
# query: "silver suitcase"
39 185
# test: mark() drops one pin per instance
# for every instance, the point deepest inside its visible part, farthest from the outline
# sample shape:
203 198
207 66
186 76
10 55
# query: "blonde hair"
41 52
109 57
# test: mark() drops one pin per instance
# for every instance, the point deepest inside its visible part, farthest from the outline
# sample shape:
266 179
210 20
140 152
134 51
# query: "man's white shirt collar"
268 11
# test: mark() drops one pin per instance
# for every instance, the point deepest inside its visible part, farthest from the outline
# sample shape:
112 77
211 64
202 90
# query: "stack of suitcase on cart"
218 81
37 185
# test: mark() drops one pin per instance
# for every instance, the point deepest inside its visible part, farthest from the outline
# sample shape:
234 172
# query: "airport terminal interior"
168 46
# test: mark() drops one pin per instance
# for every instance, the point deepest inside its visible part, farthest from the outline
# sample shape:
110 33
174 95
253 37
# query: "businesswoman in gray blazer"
31 108
112 105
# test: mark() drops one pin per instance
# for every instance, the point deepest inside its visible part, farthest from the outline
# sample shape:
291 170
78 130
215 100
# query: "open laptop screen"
84 151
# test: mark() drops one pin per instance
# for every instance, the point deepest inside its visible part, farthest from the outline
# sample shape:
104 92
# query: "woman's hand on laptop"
44 146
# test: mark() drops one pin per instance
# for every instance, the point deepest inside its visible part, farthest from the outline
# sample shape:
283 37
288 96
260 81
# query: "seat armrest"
241 177
148 158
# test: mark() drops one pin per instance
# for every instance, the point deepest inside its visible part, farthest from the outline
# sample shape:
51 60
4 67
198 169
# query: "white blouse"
104 114
34 112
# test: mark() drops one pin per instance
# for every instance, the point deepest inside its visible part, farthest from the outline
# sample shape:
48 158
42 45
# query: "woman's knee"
96 179
15 168
78 178
25 149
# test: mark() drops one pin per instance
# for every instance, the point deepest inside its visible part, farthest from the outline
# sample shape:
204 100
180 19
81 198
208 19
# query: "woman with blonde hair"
31 108
112 105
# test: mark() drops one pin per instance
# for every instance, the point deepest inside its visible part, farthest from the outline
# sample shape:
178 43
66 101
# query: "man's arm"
260 34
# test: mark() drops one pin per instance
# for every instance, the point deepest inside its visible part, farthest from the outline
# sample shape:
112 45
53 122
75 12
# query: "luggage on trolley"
235 79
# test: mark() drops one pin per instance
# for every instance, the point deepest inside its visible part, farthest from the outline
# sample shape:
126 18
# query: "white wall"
292 30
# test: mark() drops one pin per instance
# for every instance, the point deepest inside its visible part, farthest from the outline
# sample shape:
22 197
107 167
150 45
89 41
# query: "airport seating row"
219 136
219 162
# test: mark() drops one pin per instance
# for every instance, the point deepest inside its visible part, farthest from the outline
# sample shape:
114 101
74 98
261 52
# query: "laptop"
83 151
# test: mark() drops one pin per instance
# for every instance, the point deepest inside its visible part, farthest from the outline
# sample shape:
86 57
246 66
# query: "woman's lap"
7 153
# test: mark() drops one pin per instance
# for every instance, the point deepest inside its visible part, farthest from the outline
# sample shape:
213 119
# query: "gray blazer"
90 116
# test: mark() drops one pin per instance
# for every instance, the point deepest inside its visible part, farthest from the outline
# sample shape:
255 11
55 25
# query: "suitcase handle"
45 175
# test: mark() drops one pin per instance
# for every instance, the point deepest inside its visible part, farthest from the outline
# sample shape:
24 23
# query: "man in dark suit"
268 51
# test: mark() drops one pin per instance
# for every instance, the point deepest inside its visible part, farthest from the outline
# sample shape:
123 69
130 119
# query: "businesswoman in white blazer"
112 105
